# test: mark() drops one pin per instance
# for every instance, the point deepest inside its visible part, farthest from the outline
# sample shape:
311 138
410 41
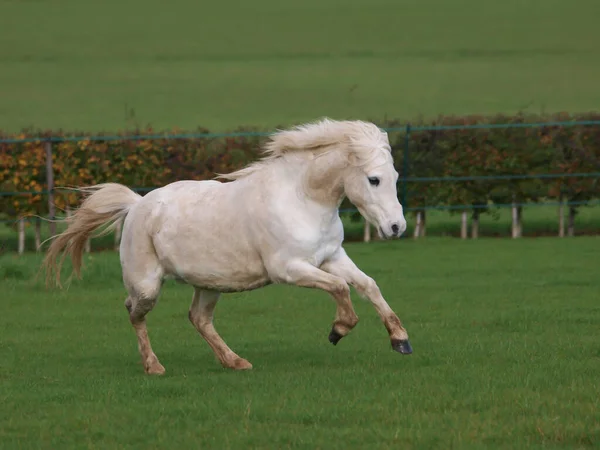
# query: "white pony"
276 222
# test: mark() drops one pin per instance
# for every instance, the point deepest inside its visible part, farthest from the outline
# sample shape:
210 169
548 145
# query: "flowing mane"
361 139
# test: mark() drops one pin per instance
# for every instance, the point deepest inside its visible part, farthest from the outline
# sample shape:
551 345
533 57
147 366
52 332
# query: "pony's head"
370 180
348 157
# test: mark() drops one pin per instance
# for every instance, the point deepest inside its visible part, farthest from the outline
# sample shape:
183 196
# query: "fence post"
38 234
405 165
367 231
50 186
21 248
561 216
417 231
464 225
515 219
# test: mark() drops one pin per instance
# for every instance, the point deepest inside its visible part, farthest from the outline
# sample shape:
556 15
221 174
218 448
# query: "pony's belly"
229 282
220 274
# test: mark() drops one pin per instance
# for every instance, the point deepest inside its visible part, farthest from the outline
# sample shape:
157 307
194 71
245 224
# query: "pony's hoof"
239 364
402 346
155 369
334 336
242 364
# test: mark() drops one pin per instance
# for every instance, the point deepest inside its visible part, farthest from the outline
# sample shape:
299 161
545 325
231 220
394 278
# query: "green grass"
504 332
108 65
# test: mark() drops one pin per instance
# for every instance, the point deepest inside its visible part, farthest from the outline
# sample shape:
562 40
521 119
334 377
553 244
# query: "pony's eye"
374 181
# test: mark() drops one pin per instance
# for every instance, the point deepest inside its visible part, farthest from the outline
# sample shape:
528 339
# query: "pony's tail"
105 204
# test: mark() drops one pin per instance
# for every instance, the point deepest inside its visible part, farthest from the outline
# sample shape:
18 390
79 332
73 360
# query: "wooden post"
21 236
417 231
50 186
463 225
561 217
515 220
475 224
367 232
571 229
38 234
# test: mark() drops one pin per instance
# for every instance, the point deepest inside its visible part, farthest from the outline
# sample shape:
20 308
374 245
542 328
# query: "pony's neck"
323 178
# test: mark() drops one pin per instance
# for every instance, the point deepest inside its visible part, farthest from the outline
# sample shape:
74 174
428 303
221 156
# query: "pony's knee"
369 288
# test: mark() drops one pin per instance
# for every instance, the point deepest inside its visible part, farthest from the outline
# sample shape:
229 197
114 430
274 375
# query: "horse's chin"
387 237
382 235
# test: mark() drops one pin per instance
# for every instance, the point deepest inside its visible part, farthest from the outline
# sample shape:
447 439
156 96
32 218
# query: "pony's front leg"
301 273
342 266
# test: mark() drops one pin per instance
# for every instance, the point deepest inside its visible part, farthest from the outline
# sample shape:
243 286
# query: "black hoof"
402 346
334 337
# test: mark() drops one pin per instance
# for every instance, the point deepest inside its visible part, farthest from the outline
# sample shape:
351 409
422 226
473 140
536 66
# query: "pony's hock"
277 221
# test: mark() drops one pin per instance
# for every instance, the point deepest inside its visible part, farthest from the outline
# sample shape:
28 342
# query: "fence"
407 160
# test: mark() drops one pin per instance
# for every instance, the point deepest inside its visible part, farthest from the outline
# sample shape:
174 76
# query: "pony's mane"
361 138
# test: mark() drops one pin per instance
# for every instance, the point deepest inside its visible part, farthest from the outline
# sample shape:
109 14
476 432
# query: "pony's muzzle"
395 229
398 228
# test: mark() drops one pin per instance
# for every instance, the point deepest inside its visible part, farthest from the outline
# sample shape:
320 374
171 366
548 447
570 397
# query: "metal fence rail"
408 129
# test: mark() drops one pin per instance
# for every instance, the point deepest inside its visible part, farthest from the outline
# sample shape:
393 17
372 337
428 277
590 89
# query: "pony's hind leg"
143 278
138 306
201 315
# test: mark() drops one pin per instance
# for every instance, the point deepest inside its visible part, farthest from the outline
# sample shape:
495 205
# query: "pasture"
504 333
91 66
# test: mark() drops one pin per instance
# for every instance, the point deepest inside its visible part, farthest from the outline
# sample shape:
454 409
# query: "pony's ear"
357 158
386 137
353 159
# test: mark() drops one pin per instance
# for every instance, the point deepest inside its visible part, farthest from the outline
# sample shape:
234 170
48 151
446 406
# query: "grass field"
504 332
110 65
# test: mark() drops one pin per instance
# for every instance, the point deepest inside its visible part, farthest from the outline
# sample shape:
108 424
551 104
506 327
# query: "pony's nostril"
395 228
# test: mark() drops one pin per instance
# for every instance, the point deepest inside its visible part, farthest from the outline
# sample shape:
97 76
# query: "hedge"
502 152
432 153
